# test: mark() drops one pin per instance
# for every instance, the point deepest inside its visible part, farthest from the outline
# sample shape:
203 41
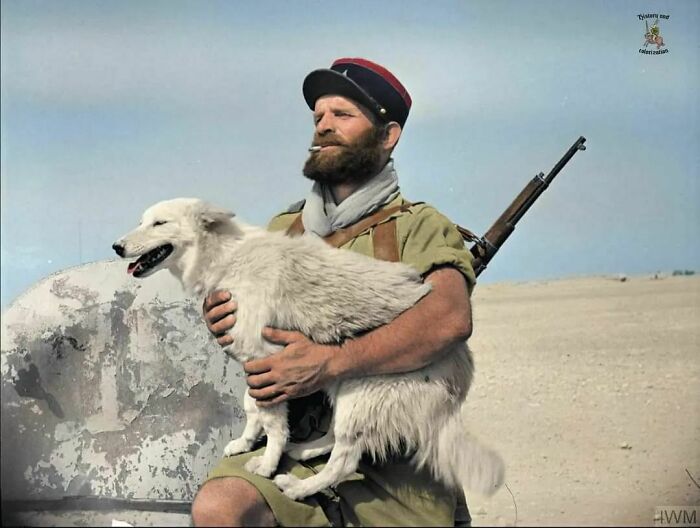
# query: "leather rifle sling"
297 227
385 243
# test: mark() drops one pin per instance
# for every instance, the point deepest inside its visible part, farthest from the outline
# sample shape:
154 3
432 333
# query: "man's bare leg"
230 501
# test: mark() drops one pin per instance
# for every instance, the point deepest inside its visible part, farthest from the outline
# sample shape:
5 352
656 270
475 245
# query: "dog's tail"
459 460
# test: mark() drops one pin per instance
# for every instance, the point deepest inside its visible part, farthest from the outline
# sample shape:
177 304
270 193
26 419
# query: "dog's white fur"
329 295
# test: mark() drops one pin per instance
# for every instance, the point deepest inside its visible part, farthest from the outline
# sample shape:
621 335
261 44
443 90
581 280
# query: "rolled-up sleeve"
431 240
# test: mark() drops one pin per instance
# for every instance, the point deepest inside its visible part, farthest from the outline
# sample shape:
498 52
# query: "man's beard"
353 163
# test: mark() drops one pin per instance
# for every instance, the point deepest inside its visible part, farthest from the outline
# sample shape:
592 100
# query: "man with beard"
359 111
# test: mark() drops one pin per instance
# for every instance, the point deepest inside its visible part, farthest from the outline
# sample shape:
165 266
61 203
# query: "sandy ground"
590 389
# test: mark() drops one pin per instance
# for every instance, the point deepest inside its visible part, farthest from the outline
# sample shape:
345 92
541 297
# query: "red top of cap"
382 72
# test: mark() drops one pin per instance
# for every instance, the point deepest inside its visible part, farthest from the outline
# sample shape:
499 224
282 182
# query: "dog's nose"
119 249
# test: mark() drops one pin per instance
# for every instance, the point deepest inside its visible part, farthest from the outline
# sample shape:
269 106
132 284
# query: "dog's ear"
213 218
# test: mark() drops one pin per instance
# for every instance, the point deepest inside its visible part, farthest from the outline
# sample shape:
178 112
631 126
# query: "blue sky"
108 107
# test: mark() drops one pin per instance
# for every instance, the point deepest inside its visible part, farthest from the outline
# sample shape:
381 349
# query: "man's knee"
230 501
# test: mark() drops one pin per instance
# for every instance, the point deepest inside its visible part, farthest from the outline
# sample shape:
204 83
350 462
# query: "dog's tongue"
132 267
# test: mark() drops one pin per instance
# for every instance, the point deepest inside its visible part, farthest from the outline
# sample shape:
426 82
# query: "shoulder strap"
384 236
344 235
386 245
466 234
297 227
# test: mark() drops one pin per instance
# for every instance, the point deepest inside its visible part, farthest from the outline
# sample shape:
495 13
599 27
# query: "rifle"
487 246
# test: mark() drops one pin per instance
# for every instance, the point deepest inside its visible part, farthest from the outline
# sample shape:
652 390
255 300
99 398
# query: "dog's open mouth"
149 260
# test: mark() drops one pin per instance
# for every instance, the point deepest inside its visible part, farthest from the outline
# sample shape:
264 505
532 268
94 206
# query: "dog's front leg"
253 427
274 421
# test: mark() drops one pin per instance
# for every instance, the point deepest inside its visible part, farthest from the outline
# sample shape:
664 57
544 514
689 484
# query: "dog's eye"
159 222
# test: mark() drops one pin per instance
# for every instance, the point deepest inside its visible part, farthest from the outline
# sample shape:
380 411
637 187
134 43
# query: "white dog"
327 294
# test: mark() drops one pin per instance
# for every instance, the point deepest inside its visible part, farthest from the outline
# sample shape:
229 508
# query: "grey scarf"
322 216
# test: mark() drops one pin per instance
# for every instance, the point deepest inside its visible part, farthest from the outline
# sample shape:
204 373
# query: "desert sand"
590 390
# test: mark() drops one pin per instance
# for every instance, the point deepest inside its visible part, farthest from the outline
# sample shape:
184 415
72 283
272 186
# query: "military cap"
363 81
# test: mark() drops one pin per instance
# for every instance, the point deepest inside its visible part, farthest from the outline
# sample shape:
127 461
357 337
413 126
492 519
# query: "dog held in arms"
329 295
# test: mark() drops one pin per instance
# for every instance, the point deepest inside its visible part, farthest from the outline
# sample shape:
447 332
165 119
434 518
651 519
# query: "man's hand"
301 368
219 313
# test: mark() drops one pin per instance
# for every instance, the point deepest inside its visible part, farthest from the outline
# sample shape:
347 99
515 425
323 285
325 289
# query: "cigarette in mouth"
315 149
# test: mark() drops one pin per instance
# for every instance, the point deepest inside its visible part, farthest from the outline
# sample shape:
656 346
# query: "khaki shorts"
393 494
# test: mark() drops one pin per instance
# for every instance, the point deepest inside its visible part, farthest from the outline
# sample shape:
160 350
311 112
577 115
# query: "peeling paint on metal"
27 383
112 387
61 288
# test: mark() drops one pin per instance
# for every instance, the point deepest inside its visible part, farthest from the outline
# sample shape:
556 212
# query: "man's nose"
325 124
118 248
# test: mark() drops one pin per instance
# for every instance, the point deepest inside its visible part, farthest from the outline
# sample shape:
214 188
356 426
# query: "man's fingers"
266 393
224 340
223 325
214 298
259 381
281 337
271 403
219 316
267 397
220 311
256 366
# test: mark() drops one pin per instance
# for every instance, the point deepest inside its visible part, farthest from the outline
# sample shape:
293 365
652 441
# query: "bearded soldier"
359 113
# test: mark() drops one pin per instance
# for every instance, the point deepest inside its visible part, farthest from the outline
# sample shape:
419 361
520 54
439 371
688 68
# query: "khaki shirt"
426 238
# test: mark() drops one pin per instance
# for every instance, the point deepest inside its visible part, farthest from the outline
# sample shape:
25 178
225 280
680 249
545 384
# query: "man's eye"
159 223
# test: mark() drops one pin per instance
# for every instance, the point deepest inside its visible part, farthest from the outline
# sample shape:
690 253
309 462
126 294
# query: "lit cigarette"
315 149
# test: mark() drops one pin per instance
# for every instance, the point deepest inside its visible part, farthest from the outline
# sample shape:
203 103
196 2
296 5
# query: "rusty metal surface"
112 387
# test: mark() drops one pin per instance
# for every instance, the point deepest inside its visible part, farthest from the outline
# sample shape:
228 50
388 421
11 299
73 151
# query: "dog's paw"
239 445
258 466
291 486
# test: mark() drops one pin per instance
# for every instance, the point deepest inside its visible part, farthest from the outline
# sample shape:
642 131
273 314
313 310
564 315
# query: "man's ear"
391 135
210 216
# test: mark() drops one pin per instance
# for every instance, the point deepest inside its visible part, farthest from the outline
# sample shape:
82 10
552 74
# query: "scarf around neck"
322 216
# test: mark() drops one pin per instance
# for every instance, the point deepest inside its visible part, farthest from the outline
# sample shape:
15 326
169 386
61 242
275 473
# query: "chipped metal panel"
112 387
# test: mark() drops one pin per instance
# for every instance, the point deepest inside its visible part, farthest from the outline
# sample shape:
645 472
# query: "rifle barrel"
498 233
543 181
578 145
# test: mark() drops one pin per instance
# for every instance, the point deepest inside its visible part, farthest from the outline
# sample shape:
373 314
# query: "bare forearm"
414 339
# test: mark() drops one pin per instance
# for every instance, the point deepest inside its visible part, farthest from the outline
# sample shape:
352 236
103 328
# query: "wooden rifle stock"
487 246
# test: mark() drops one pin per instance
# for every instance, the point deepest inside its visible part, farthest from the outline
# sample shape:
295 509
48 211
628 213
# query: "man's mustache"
327 142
